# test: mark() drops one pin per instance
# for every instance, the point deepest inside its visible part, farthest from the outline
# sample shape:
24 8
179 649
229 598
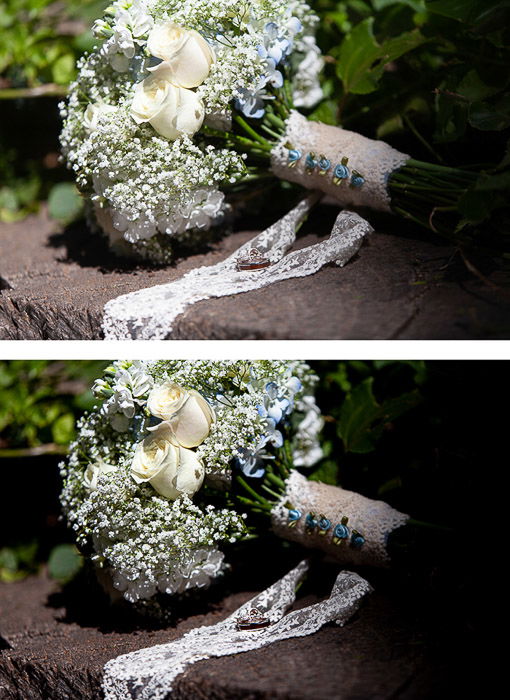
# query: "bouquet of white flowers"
181 456
140 117
148 480
183 100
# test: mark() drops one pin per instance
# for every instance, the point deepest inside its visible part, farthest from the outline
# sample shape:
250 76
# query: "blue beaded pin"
341 172
324 164
310 162
357 540
311 523
294 155
324 525
357 179
294 515
341 531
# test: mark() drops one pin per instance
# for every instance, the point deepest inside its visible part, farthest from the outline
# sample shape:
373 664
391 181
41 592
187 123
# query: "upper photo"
254 169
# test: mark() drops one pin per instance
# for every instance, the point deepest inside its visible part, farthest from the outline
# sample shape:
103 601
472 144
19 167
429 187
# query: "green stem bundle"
425 193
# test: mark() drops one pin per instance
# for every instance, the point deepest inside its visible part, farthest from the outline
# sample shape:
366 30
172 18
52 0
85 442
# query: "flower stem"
261 501
264 144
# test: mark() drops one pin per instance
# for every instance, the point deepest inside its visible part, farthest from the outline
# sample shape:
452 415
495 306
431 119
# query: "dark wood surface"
54 285
392 649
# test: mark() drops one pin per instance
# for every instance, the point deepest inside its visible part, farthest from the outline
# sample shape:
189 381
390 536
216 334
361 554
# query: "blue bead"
294 514
311 521
311 163
324 164
357 540
342 172
341 531
324 524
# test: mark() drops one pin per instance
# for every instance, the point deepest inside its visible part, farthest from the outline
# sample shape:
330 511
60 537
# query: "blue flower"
357 180
276 47
250 464
251 104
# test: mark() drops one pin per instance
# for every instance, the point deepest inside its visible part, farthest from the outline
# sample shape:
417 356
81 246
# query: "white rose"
93 113
171 111
187 413
172 471
94 471
185 52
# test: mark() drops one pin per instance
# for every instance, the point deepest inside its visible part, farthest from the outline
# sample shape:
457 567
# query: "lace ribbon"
150 313
148 674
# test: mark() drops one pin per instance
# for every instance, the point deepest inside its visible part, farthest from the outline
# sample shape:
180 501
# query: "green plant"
40 401
40 43
430 77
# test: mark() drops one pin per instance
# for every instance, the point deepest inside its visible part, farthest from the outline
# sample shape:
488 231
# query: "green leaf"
63 429
362 419
461 10
473 88
63 69
64 562
361 59
8 559
490 117
419 367
8 199
64 202
490 192
416 5
327 473
325 112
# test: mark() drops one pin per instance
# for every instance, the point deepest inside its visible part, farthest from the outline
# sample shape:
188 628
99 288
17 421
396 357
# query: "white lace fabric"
150 313
148 674
375 160
375 520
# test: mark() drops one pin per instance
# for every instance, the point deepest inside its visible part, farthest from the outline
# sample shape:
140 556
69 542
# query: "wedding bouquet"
182 100
179 457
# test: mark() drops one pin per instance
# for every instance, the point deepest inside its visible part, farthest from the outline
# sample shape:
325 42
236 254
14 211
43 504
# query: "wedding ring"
253 261
254 620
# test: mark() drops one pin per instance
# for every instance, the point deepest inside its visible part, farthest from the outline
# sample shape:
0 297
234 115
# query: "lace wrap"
148 674
374 520
374 160
150 313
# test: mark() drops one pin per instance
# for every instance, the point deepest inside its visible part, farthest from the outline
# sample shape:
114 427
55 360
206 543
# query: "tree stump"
57 644
54 285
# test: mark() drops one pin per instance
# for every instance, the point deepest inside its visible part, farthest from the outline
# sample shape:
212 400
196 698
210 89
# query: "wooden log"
59 648
55 285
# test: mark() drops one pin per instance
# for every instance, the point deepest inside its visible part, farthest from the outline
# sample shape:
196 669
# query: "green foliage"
64 563
39 403
364 403
18 561
430 77
362 419
64 202
41 41
361 60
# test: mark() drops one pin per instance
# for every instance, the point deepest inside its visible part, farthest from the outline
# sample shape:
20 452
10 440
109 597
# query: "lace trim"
150 313
148 674
373 520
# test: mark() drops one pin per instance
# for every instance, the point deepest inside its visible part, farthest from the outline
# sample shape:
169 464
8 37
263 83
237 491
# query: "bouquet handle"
344 165
350 528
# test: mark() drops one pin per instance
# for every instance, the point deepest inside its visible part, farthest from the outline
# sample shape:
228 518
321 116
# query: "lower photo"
240 529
